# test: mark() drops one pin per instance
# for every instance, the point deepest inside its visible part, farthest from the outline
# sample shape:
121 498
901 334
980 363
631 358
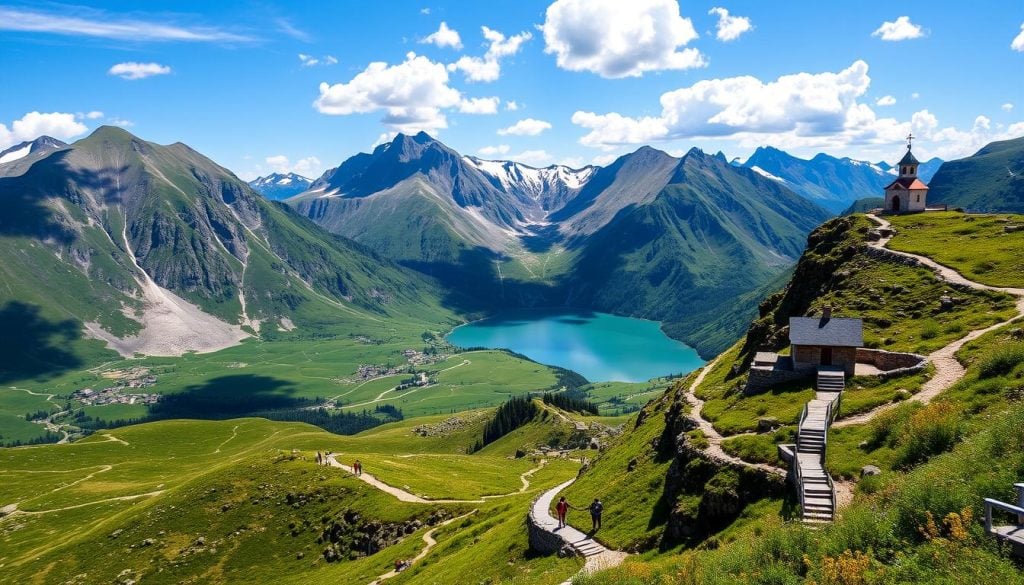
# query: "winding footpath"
404 496
597 556
948 370
428 538
714 449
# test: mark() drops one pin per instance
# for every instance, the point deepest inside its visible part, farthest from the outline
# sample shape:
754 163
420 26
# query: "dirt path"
404 496
93 503
428 538
714 449
948 370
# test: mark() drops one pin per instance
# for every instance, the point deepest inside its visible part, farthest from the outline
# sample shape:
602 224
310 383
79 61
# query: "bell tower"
908 193
908 164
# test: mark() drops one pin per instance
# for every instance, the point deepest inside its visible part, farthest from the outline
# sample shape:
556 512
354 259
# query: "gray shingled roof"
819 331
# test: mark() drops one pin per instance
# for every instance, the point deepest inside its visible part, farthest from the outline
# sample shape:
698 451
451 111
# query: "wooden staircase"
814 486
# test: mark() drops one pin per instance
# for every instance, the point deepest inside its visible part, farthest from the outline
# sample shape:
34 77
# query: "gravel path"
404 496
714 449
948 370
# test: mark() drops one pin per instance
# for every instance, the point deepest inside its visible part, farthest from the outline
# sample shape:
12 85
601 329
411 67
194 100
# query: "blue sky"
261 86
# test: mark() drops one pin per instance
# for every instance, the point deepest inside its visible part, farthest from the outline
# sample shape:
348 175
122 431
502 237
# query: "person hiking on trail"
562 508
595 513
357 468
319 459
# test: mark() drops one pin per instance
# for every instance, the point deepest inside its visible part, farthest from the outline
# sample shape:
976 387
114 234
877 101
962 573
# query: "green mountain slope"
713 234
157 249
992 179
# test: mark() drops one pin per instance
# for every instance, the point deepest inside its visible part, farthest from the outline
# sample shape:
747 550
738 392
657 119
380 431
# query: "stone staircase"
814 486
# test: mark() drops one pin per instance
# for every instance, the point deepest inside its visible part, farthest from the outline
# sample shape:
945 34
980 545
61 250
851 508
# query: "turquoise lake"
601 347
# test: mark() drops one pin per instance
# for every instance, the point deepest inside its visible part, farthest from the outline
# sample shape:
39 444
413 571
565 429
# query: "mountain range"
650 235
156 249
834 183
18 158
278 186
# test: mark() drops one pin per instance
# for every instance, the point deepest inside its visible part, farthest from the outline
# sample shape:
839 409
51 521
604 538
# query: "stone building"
908 193
825 341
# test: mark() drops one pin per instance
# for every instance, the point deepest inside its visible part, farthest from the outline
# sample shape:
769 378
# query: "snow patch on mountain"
766 174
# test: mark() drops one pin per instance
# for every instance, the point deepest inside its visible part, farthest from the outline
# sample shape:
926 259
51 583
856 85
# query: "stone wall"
892 363
761 379
541 540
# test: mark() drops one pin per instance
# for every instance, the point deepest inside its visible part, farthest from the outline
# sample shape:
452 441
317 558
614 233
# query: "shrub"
1001 361
929 330
930 430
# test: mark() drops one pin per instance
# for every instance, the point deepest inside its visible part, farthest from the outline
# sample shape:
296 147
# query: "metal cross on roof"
910 138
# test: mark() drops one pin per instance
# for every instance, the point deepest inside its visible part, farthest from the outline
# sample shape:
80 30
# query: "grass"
973 245
248 487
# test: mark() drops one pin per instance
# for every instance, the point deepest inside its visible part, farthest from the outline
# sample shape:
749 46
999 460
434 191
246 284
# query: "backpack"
596 508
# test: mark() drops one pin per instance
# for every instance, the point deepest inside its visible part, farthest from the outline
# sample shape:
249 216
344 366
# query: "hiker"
595 514
357 468
319 459
562 508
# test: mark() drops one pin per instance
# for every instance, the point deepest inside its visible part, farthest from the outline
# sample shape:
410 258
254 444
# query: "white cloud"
729 28
487 105
885 100
35 124
899 30
488 67
310 60
526 127
1007 107
617 39
534 158
805 103
511 105
93 115
120 122
494 150
425 11
444 37
915 95
1018 41
413 94
133 70
307 167
96 23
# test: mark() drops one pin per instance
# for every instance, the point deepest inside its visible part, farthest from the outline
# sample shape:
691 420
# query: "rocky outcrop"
349 535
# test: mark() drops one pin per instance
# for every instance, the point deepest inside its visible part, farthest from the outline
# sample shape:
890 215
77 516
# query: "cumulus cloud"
729 27
412 94
488 67
133 70
821 111
526 127
497 150
617 39
1018 41
1007 107
96 23
487 105
899 30
307 167
806 103
35 124
885 100
444 37
511 105
93 115
310 60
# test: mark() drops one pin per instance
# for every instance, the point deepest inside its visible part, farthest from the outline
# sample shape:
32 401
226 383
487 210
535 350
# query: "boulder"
767 424
870 470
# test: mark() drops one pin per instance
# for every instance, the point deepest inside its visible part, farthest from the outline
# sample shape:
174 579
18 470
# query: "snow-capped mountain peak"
548 186
280 185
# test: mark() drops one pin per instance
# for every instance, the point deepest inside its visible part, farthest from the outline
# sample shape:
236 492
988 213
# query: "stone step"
827 502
